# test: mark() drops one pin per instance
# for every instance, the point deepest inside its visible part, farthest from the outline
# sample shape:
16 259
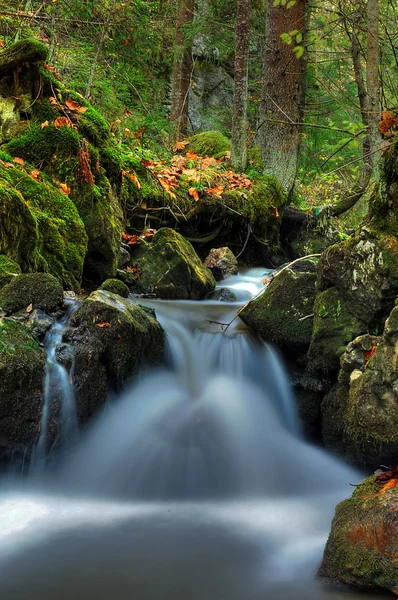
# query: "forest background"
160 70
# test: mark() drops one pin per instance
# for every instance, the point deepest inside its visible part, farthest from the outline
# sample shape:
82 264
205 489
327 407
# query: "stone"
113 341
361 549
169 267
39 322
116 287
283 313
22 365
360 413
41 290
222 263
8 270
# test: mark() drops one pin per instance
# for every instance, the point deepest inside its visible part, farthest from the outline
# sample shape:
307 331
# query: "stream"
196 484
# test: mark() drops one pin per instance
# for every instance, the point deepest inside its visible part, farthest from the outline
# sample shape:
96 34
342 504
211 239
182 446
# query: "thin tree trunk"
239 118
182 68
373 83
283 92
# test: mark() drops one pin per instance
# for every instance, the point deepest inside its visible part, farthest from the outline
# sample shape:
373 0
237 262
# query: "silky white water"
195 484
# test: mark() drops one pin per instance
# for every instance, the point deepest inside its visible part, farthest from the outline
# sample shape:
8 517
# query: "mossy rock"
41 290
116 287
42 229
334 327
277 314
8 270
210 143
169 267
114 340
22 363
360 414
361 549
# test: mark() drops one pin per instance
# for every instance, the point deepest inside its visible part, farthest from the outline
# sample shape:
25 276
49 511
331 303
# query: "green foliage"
210 143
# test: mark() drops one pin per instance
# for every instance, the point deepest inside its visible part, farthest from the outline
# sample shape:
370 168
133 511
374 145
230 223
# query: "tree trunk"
373 84
182 68
239 117
283 91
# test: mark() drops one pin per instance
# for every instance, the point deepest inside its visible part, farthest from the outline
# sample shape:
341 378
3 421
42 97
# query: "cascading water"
57 388
196 484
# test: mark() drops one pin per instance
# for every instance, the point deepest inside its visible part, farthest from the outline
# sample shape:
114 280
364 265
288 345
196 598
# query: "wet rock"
124 258
360 414
282 314
116 287
39 322
22 364
169 267
41 290
64 355
8 270
305 266
224 295
113 341
362 545
222 263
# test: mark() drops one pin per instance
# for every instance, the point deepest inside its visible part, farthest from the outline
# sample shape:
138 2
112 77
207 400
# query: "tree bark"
239 117
182 68
373 84
283 92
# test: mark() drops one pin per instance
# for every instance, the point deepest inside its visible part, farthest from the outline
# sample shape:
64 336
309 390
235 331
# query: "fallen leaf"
45 124
29 308
75 106
19 161
103 324
53 100
65 189
181 145
194 193
35 174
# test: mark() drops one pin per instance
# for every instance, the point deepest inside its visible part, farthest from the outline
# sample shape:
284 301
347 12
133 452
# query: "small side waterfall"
58 388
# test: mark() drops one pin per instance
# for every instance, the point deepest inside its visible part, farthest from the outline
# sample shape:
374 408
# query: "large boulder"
22 363
222 263
169 267
116 287
357 286
362 546
283 313
113 340
41 290
360 414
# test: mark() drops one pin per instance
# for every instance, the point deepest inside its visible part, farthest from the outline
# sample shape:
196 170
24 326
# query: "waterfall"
196 483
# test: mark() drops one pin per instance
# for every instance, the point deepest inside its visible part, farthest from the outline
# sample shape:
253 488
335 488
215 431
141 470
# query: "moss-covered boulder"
22 363
116 287
169 267
363 542
210 143
222 263
282 314
360 414
8 270
41 290
114 340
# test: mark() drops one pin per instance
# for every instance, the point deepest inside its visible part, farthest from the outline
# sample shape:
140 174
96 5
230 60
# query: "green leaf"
291 3
299 38
277 2
286 38
299 51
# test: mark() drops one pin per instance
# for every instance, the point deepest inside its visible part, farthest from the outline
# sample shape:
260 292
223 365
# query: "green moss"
18 348
46 145
26 51
8 270
210 143
276 315
41 290
116 287
169 267
47 231
334 328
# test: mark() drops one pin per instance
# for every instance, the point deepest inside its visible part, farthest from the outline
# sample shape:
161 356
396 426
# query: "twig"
249 230
307 317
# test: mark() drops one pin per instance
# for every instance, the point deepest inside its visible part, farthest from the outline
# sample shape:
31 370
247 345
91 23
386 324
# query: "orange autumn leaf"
35 174
45 124
49 68
181 145
191 155
65 189
19 161
216 191
75 106
194 193
64 122
53 100
104 324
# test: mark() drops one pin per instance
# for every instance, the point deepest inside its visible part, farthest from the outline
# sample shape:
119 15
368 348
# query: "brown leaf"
65 189
45 124
194 193
53 100
75 106
181 145
19 161
35 174
104 324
